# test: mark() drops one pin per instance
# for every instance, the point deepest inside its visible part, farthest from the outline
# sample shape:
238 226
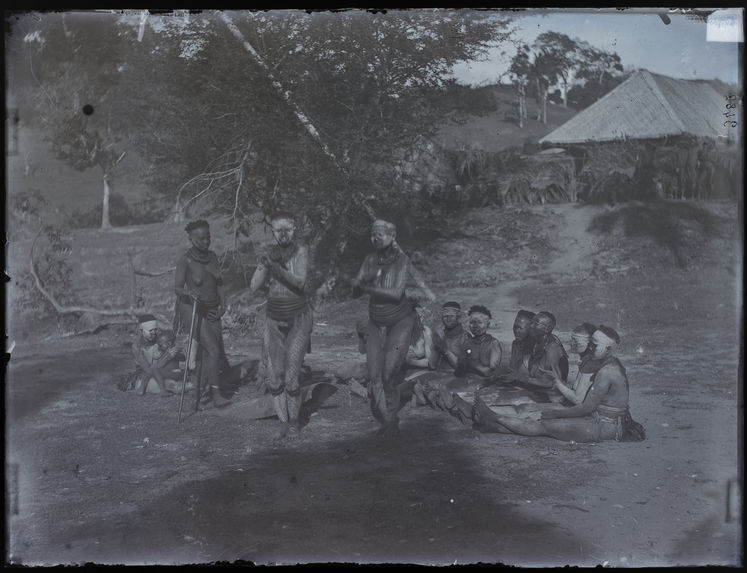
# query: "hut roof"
647 106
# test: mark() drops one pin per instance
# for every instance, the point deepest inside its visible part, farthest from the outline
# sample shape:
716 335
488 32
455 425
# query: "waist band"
285 308
611 411
389 314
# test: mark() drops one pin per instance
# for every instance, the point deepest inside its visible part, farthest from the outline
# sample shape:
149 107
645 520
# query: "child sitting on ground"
167 359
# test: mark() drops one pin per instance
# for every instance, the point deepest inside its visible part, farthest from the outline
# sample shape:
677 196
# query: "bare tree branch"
300 115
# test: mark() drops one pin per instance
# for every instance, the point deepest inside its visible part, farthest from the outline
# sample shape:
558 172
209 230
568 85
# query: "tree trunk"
544 107
538 98
521 116
105 222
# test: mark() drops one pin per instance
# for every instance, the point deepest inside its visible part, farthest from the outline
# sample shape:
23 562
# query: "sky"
679 49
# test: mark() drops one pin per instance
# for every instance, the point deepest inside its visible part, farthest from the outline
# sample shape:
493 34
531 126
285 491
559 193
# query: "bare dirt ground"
99 475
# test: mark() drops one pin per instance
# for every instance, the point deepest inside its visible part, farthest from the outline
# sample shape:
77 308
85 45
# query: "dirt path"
574 243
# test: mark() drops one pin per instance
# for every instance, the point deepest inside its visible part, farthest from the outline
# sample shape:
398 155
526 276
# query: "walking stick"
189 352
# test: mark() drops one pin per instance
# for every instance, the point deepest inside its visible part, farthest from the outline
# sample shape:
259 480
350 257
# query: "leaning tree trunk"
105 222
300 115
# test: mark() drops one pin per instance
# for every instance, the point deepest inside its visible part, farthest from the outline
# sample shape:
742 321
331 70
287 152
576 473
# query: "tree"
519 73
558 58
364 81
72 73
221 124
536 66
82 149
554 59
598 73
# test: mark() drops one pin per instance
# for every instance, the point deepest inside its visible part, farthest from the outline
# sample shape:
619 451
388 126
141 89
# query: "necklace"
285 253
196 255
388 257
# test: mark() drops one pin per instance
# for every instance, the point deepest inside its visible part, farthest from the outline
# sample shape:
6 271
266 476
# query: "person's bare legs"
374 366
296 343
485 419
393 372
274 350
565 429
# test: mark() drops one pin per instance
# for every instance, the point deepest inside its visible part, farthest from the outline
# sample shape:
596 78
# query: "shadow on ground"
419 499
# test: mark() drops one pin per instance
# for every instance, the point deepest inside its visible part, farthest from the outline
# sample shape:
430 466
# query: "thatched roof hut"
647 106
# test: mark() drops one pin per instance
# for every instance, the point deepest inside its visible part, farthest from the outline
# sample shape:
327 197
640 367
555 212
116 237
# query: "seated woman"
420 354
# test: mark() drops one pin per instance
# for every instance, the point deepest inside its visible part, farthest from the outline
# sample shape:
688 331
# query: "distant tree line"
578 73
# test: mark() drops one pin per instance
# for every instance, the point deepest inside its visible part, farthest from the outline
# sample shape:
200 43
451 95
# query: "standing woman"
382 276
198 278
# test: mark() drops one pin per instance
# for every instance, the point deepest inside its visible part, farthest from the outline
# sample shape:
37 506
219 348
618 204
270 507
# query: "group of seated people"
462 371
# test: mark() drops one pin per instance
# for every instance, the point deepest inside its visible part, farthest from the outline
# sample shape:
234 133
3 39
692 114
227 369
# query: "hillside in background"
482 118
498 128
483 247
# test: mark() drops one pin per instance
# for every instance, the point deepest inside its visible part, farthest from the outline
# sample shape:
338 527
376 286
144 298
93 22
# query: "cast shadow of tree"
422 498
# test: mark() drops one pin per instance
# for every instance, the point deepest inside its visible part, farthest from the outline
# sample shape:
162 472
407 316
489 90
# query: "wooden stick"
186 365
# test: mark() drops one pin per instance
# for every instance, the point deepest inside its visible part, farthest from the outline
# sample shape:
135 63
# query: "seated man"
549 360
448 343
603 414
521 347
512 389
478 364
481 353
